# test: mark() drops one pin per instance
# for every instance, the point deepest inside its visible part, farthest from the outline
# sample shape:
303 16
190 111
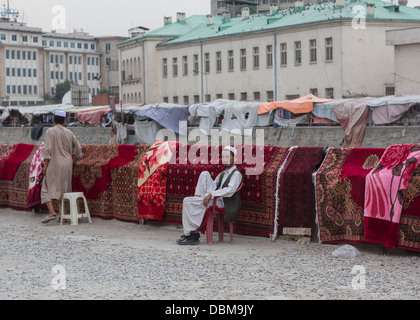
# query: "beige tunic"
60 145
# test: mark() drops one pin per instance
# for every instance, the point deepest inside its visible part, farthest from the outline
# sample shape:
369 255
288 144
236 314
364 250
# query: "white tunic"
193 208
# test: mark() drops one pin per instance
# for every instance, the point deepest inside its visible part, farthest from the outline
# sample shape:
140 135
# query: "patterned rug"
108 176
152 180
14 192
35 178
386 187
339 189
296 208
340 196
258 193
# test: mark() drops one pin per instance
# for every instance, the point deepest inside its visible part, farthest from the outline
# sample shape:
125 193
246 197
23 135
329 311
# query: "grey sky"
111 17
106 17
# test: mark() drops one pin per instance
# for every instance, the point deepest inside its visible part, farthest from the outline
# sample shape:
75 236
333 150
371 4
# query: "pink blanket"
385 192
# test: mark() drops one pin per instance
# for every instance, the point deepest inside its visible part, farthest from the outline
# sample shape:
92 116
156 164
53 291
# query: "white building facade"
73 57
266 58
21 64
406 45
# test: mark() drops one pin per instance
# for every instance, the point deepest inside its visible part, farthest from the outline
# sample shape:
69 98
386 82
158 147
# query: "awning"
296 106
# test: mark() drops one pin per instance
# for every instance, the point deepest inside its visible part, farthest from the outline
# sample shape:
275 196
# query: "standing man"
60 146
225 186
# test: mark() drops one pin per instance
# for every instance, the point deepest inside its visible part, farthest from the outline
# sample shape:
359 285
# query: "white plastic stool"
74 214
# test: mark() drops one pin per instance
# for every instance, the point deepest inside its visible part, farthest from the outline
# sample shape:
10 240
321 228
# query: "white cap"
231 149
60 113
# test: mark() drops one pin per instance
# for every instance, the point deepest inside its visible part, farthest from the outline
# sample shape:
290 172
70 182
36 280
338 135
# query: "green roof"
172 30
286 18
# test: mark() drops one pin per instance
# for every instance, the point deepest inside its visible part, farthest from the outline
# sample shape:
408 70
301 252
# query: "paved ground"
120 260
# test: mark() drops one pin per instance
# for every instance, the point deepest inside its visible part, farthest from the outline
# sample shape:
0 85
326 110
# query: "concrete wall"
375 137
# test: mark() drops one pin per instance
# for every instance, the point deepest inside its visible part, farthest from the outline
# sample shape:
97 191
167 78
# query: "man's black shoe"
183 237
195 234
188 241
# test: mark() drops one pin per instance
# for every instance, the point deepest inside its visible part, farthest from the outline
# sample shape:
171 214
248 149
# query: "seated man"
225 186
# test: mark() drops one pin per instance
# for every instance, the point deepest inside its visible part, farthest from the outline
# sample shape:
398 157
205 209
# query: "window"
185 65
51 43
33 56
329 93
18 55
34 73
269 51
72 45
283 54
328 49
23 55
14 37
231 96
314 91
13 54
70 59
86 46
207 62
298 53
58 44
270 96
208 97
7 72
66 44
35 39
3 37
244 96
257 96
218 61
79 45
175 100
165 67
312 51
7 54
195 61
389 90
108 47
231 64
24 38
243 59
92 46
256 57
52 58
186 100
29 72
175 68
196 99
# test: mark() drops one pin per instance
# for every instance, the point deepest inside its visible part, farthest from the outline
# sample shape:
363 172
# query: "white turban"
231 149
60 113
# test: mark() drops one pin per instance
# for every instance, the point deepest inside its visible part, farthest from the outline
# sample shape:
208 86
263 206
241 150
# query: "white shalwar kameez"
193 208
